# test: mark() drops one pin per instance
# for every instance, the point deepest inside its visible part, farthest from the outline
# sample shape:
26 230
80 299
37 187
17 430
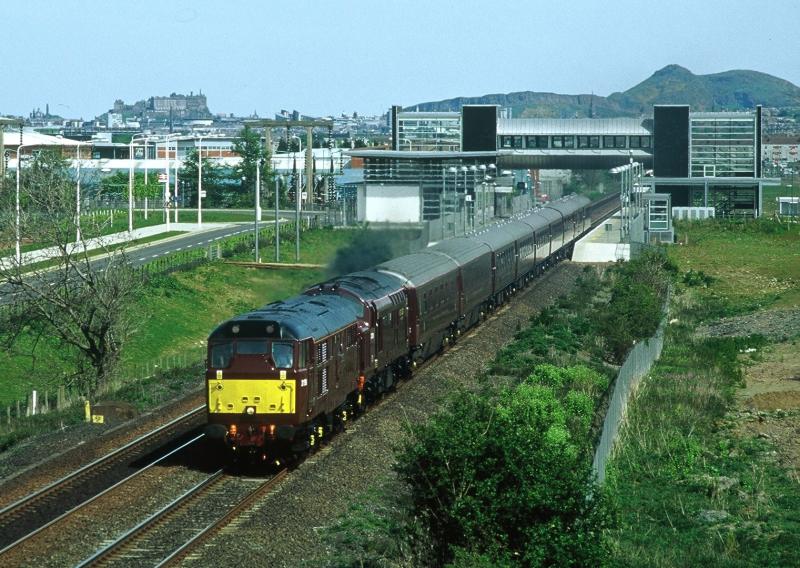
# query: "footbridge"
573 143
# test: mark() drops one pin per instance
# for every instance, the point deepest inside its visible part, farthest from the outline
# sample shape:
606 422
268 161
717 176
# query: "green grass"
177 312
679 454
755 264
678 458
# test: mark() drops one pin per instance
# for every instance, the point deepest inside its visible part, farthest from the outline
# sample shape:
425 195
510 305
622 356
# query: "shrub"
505 478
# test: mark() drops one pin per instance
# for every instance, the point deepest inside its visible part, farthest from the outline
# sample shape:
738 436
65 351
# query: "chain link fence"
638 363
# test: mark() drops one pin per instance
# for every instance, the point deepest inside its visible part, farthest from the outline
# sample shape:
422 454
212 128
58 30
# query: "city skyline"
78 57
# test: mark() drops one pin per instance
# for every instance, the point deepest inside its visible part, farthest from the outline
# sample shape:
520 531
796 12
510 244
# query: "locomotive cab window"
283 354
221 354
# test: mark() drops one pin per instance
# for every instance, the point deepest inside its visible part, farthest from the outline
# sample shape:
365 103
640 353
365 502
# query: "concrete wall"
389 204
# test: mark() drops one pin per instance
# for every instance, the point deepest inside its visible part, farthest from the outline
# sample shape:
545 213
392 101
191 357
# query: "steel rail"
11 510
113 549
207 533
98 495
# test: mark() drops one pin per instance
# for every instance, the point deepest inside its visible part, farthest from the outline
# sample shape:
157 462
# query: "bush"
505 478
635 309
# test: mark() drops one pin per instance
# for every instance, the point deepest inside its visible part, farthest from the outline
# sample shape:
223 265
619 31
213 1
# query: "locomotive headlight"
250 410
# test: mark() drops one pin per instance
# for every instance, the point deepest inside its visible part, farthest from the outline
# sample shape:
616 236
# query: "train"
282 378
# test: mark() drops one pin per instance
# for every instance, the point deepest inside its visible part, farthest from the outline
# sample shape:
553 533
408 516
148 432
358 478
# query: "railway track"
40 509
201 512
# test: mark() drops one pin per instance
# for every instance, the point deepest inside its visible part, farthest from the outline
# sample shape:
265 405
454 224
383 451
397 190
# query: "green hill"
729 90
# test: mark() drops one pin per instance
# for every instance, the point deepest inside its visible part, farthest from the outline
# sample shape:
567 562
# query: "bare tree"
77 295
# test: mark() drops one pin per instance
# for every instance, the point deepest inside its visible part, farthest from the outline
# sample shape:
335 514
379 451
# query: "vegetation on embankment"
501 475
175 314
692 486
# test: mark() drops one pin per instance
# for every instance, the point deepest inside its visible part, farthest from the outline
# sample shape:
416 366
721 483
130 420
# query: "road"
149 252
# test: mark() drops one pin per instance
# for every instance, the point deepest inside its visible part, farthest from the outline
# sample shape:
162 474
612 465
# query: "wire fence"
225 248
40 402
637 364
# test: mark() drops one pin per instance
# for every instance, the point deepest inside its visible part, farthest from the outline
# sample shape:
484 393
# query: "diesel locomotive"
281 378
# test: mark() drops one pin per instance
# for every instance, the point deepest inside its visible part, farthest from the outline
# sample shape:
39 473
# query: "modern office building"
708 159
425 131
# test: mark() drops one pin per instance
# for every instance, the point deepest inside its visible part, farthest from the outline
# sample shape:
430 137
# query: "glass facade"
539 142
722 145
429 132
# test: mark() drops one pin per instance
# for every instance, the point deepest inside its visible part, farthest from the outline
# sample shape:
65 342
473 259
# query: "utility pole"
297 219
277 222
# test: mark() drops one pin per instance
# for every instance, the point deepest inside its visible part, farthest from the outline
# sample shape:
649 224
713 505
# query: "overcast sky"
327 57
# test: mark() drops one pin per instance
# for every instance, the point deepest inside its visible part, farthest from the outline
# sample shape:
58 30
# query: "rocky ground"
769 403
283 529
777 325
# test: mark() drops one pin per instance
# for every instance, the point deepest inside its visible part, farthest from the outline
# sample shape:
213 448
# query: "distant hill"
730 90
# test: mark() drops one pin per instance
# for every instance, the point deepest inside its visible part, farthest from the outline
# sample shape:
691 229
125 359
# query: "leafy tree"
116 184
505 480
83 306
211 177
249 147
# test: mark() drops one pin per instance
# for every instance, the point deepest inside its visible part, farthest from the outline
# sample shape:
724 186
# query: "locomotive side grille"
323 381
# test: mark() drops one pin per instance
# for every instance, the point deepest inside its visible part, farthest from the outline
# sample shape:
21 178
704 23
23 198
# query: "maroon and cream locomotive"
283 377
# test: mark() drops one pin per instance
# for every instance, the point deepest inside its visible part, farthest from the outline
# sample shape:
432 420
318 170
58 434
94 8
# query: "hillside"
729 90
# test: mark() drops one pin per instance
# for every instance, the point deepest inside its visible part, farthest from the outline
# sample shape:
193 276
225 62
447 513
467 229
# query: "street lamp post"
464 169
166 175
473 168
200 181
441 200
17 234
482 169
298 188
258 204
130 178
493 170
78 195
454 171
175 190
277 219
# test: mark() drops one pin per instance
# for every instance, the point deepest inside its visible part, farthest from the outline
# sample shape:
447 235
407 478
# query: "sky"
324 57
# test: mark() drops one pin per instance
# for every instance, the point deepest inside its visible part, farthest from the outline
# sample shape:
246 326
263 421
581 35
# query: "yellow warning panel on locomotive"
251 396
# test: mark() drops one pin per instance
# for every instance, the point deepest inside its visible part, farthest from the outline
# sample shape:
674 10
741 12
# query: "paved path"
40 255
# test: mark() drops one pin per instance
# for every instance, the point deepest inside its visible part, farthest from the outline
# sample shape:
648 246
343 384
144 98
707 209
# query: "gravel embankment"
44 459
280 531
778 325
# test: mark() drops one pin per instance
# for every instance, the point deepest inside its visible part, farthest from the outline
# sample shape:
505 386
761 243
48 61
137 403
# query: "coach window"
301 355
282 354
